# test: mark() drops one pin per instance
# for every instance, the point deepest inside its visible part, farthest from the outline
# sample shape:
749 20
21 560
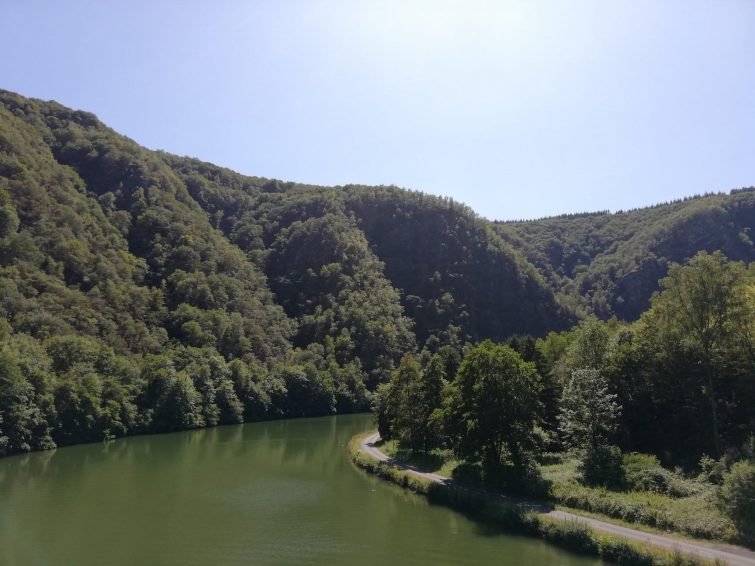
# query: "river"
281 492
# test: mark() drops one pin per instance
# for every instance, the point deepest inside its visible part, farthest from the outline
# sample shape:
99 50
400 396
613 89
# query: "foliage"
133 300
589 413
704 312
610 263
491 407
693 513
571 535
603 465
644 472
408 401
737 497
145 292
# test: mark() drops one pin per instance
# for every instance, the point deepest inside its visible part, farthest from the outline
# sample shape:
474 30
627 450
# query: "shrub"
737 497
572 535
679 487
712 471
525 479
550 458
603 466
621 552
643 472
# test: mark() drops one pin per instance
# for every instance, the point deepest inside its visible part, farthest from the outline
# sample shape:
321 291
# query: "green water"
265 493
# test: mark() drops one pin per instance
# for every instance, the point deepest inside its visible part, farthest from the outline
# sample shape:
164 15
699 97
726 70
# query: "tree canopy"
143 292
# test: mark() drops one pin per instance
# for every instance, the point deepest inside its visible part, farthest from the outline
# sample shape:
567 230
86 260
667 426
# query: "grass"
570 535
436 461
690 512
695 515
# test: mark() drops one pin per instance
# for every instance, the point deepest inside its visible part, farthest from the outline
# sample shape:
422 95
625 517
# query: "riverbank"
669 502
583 535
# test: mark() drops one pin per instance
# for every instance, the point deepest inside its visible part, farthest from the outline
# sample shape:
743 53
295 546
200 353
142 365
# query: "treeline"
610 264
125 310
176 283
679 383
190 295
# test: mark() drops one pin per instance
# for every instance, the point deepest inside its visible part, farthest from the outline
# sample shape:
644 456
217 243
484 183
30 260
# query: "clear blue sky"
519 109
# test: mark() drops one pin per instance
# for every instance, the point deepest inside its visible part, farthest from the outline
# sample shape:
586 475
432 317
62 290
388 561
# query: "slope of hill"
610 264
146 292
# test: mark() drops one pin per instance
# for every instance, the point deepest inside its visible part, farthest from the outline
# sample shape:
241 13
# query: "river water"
280 492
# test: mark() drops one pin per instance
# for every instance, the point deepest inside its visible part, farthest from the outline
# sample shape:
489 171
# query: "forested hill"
609 264
145 292
140 291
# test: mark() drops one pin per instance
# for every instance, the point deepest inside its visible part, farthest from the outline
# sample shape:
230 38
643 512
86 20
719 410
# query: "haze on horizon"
518 109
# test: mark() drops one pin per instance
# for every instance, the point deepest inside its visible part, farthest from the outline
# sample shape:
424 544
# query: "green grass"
437 461
570 535
694 515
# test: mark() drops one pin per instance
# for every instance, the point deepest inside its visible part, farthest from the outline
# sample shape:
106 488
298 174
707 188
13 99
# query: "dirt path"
734 555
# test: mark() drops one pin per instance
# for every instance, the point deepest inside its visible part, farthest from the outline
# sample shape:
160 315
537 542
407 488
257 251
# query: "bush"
643 472
737 497
603 466
525 479
573 535
712 471
622 552
551 458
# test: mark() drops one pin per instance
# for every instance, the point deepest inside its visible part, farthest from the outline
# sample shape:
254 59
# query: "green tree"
704 309
403 403
3 439
17 410
491 407
308 393
589 413
588 349
736 497
431 399
231 409
169 400
246 381
8 217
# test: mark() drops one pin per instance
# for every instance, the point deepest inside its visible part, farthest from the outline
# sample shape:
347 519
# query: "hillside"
146 292
610 264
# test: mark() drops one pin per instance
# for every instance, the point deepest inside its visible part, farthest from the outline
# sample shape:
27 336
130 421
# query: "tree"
431 398
170 400
231 409
403 403
736 497
703 308
492 406
18 413
589 413
3 439
8 217
308 395
588 349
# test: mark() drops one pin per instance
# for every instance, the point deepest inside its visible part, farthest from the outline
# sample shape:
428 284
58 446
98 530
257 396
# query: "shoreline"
580 534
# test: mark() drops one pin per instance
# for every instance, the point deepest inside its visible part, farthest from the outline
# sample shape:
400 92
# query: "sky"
519 109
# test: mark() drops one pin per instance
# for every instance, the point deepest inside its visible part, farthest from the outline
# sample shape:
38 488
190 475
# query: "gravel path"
734 555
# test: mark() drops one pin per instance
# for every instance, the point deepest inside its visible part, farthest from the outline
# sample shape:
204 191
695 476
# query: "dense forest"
145 292
650 422
610 264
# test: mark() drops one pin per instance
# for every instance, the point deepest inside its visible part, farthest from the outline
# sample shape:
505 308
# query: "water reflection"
266 493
